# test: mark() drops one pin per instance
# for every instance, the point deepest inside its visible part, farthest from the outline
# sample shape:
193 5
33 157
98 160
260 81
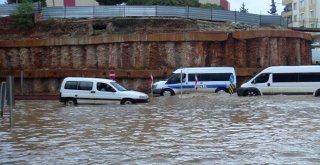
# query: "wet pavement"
187 129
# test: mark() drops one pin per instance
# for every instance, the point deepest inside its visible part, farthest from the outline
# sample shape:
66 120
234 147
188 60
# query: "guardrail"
154 11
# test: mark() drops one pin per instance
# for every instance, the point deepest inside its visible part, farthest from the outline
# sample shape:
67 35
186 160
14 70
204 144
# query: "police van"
201 79
76 90
283 80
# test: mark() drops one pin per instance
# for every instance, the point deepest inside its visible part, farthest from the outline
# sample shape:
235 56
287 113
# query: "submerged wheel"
167 92
126 102
221 90
71 102
251 92
317 93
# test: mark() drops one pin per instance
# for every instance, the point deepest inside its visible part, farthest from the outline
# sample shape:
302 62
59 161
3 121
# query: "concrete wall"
44 62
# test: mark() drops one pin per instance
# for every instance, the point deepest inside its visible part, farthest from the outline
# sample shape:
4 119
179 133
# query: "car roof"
87 79
293 69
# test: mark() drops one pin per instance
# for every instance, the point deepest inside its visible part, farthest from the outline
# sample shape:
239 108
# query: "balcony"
286 14
286 2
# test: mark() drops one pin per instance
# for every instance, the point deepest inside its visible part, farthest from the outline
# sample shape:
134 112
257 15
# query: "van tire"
251 92
126 101
218 90
167 92
317 94
70 102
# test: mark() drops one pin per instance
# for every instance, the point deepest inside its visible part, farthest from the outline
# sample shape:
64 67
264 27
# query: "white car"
290 80
75 90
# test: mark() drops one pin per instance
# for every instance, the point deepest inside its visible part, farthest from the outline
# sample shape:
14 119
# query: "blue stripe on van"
199 86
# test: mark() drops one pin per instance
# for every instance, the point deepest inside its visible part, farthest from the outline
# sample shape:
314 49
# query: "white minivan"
202 79
76 90
283 80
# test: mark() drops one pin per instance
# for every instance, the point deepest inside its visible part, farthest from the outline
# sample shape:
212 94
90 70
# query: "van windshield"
118 86
176 78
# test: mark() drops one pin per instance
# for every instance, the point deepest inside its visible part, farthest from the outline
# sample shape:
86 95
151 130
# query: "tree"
110 2
43 2
212 6
243 8
273 9
23 16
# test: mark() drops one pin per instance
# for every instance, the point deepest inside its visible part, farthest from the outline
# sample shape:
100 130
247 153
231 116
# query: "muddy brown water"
187 129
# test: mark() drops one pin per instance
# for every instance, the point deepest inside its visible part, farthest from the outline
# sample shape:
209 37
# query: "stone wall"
44 62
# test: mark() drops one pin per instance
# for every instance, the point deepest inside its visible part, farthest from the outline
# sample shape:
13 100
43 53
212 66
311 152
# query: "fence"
155 11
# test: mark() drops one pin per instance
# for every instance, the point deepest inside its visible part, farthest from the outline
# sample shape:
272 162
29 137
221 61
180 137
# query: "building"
302 13
53 3
223 3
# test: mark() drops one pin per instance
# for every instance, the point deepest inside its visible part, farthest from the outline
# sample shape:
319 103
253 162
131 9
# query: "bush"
23 16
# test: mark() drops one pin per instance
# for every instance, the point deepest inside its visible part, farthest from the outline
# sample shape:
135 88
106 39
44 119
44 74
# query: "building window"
301 3
312 25
295 18
311 1
302 16
312 14
289 19
295 6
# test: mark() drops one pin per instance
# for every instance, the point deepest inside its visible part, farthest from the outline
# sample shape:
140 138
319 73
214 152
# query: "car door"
105 92
262 82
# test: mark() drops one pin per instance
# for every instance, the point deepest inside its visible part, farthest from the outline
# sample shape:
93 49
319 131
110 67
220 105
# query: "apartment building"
53 3
302 13
223 3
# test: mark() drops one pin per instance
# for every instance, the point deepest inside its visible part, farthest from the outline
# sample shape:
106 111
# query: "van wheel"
71 102
317 93
126 101
251 92
167 92
221 90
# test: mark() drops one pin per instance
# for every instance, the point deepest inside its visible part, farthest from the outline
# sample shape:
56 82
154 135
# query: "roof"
293 69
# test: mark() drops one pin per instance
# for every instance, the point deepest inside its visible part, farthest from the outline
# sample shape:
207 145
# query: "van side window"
175 79
285 77
262 78
309 77
85 85
71 85
104 87
211 77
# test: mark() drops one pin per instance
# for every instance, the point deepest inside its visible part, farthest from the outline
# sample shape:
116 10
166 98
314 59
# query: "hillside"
90 27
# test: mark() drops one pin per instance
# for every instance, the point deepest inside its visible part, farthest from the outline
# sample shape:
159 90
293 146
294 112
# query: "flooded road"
188 129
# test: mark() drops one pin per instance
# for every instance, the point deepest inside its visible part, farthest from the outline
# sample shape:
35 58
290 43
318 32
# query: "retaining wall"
43 63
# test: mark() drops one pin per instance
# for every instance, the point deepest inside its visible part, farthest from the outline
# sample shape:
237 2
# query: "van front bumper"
156 91
240 91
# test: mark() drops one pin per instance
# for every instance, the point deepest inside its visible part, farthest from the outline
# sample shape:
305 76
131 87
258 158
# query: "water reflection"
188 129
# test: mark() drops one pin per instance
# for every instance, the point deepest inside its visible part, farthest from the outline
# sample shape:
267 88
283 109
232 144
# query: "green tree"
212 6
137 2
273 9
243 8
43 2
110 2
23 16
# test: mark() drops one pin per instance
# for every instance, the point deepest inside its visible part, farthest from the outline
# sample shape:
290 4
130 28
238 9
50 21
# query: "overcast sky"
254 6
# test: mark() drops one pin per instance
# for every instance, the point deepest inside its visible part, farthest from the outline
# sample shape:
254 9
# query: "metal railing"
154 11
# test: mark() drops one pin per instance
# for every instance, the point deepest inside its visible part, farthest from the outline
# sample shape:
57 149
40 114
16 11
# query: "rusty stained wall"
237 52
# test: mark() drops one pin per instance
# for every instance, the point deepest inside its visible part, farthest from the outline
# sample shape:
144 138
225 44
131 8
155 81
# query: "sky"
254 6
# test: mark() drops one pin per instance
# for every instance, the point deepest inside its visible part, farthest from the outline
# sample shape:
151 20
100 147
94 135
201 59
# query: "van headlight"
143 97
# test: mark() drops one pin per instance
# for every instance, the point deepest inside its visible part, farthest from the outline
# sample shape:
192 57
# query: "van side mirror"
253 82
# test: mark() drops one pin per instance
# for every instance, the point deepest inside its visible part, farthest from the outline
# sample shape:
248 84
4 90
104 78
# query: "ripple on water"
188 129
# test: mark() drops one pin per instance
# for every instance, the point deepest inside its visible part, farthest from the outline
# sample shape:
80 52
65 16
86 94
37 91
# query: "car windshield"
118 86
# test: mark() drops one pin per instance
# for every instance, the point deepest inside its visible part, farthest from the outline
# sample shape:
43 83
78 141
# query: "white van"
209 79
283 80
76 90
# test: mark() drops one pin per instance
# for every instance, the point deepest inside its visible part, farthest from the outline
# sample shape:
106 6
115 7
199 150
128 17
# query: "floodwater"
188 129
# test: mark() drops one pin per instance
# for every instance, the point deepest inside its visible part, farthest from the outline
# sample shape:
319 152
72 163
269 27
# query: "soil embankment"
135 47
